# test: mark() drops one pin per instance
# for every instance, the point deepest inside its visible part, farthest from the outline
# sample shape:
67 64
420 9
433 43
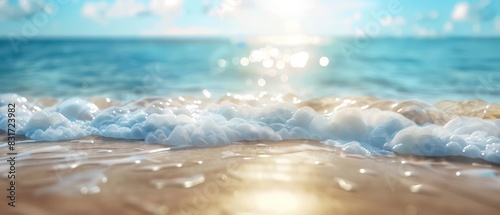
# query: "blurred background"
128 49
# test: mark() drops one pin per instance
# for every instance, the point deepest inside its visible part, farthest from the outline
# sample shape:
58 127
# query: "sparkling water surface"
392 68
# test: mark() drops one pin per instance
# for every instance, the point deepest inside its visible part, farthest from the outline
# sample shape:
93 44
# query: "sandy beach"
103 176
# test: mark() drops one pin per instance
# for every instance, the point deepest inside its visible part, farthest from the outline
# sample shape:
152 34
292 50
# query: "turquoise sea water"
391 68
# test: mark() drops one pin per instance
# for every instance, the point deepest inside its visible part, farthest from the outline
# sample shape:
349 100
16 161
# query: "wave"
367 126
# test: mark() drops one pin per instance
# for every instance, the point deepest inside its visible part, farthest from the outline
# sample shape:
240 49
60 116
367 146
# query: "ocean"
430 70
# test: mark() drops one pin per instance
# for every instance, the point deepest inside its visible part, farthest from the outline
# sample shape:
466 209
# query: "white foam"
211 123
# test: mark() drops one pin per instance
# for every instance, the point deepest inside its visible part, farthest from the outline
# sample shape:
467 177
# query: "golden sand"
104 176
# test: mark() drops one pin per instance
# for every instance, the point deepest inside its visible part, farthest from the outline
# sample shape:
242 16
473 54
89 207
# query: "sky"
180 18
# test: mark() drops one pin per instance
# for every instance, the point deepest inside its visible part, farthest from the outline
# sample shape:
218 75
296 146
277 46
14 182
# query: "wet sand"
106 176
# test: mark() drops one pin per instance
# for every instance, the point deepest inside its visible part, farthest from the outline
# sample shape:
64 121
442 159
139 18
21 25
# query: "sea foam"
370 127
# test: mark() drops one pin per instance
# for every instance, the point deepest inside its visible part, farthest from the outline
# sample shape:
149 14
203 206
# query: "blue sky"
422 18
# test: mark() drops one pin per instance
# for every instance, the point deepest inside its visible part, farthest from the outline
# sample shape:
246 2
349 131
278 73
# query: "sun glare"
278 201
287 8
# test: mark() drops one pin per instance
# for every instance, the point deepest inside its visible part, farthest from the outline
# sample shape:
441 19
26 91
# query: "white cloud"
482 11
421 31
267 17
396 21
348 22
460 11
432 15
95 10
102 11
448 26
12 11
163 7
399 20
476 27
357 16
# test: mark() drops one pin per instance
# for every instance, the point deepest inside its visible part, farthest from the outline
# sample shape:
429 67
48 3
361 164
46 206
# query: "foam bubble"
363 126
